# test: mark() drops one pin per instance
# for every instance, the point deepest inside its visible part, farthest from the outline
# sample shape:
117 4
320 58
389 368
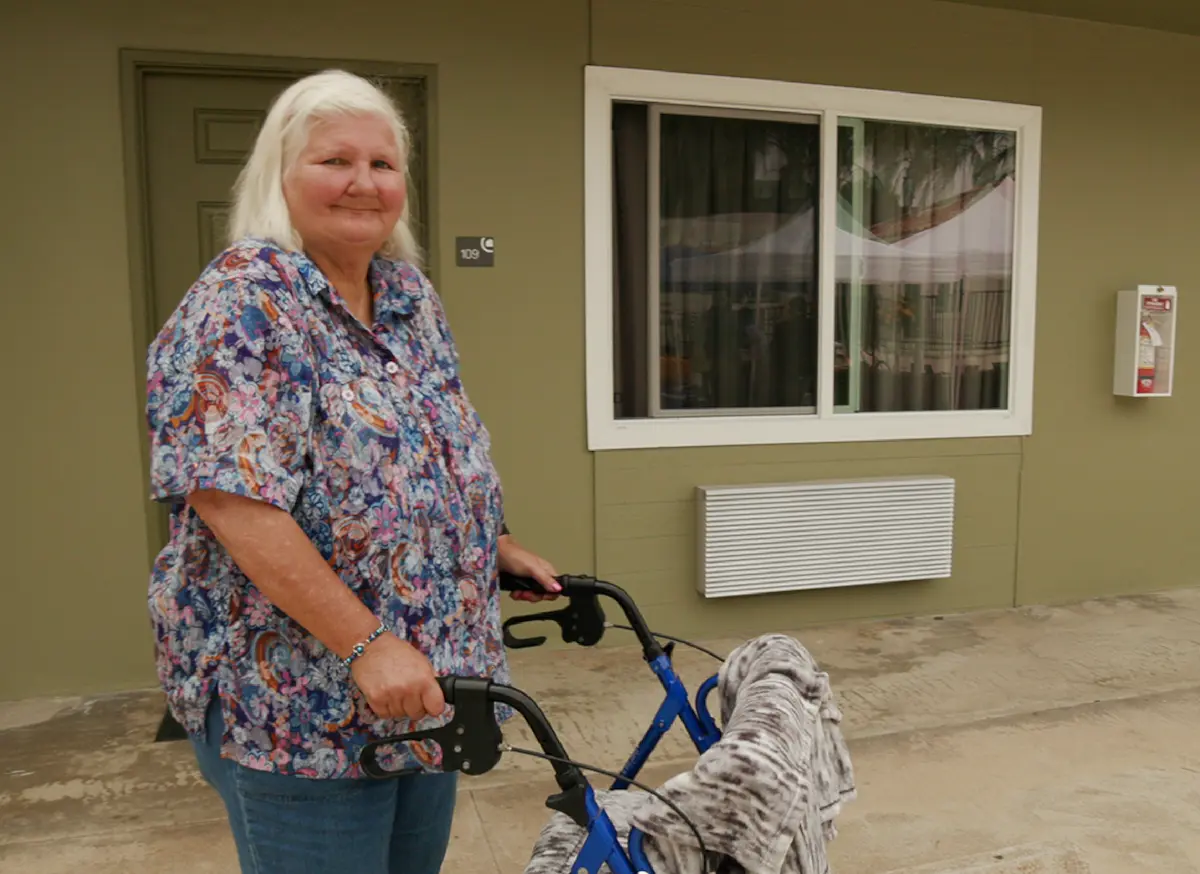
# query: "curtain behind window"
737 262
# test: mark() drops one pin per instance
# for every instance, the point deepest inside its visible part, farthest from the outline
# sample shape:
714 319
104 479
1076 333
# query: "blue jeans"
296 825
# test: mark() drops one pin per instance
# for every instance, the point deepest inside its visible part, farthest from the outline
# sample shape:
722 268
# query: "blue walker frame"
471 742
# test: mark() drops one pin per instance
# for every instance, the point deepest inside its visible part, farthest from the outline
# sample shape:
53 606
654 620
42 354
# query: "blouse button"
391 367
347 394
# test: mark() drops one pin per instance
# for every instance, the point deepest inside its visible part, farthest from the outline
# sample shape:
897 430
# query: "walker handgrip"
513 583
581 621
470 741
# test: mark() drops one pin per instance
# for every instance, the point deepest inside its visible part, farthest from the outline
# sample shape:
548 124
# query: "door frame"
135 65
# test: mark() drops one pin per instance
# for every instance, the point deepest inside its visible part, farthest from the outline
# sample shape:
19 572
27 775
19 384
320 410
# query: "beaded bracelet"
360 648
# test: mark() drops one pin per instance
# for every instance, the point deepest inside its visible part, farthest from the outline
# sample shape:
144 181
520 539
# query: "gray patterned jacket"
764 797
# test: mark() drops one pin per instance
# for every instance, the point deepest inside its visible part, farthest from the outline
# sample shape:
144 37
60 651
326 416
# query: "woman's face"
346 190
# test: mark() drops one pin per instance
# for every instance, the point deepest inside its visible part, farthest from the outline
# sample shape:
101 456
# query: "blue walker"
472 741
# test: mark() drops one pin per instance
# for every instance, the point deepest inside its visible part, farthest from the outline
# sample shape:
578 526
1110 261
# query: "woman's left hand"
520 562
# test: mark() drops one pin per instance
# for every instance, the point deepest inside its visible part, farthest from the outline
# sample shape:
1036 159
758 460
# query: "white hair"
259 208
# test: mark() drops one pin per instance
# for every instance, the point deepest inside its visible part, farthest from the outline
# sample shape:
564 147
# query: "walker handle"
471 740
582 621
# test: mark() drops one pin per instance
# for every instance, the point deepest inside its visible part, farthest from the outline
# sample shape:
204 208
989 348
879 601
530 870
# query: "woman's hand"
397 680
519 561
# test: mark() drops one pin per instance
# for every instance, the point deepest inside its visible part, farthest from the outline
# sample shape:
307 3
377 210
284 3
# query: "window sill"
691 431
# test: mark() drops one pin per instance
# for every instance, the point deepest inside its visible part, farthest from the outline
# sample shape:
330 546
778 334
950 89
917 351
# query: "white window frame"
604 85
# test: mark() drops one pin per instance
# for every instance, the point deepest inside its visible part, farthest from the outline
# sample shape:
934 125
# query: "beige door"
198 130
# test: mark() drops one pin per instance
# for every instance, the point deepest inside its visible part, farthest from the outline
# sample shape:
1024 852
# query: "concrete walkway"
1039 740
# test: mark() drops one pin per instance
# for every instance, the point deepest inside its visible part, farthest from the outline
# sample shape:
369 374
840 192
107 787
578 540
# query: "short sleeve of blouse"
229 390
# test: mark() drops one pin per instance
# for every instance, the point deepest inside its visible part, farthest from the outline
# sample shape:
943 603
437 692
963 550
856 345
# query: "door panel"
199 130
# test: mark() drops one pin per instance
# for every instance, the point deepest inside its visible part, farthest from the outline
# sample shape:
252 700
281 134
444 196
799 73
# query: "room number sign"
475 251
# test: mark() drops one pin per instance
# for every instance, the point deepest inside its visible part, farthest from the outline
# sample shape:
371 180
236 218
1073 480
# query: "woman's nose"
362 180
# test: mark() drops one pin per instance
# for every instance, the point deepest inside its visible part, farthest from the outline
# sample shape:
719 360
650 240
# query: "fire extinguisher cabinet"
1145 342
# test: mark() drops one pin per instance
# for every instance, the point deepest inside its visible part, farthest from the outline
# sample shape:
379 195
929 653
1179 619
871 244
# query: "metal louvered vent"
816 535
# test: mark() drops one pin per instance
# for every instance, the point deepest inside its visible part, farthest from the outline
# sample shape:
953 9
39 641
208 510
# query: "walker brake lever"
581 621
470 741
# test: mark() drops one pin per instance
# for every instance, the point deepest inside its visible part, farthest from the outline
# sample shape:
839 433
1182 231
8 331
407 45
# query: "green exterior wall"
645 516
1095 502
75 532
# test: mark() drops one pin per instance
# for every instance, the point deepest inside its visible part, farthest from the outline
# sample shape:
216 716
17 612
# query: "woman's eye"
334 161
382 165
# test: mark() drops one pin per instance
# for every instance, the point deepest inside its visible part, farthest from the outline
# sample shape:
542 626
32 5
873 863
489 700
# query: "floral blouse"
263 384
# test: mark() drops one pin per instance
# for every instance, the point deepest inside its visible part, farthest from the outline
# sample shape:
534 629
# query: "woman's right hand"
397 680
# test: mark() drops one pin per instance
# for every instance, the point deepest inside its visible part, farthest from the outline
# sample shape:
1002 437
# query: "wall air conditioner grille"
815 535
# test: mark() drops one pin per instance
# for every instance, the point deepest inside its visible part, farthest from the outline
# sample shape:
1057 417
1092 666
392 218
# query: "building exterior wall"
1094 502
508 140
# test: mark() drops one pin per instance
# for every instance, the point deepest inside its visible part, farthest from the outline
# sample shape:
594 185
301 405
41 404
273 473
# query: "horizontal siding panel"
706 457
998 528
983 579
646 528
664 569
641 521
987 497
632 555
987 486
675 483
675 585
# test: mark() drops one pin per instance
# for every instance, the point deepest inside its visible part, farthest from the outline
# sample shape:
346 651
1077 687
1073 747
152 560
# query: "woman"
337 522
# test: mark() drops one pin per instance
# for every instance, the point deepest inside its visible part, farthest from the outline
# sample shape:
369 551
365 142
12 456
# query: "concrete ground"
1032 741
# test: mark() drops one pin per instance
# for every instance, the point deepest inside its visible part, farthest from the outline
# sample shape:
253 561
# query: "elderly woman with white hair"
337 523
